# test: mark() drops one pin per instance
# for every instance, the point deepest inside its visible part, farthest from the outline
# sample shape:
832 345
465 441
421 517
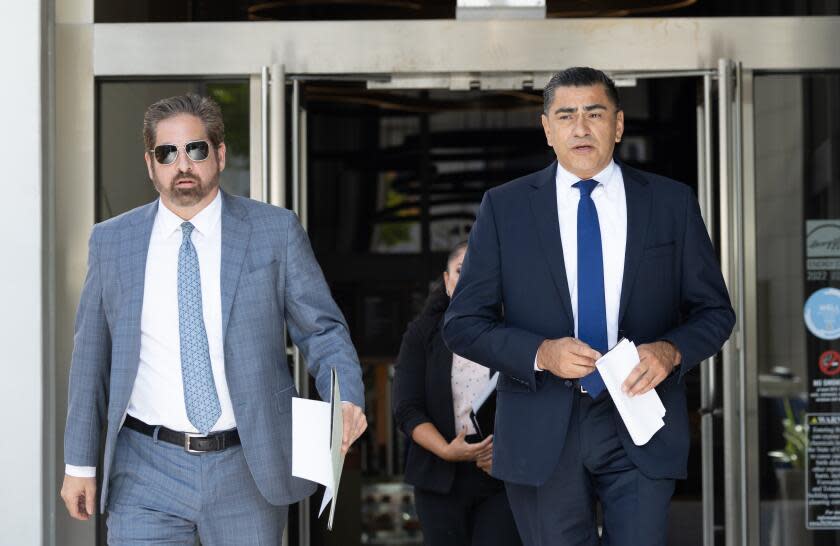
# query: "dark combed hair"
204 108
579 76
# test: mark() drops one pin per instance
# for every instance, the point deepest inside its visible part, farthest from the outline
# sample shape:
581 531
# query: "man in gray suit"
180 354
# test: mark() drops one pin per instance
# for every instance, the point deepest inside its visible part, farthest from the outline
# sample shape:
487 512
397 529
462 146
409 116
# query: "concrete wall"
72 217
21 289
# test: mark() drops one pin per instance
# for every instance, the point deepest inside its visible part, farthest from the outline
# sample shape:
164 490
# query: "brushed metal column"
708 394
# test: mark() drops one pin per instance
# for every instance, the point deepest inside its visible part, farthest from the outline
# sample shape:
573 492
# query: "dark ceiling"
108 11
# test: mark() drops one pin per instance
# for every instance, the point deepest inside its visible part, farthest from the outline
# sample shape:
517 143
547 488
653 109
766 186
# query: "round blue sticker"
822 313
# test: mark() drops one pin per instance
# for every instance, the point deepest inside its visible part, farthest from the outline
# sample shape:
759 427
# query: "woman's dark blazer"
423 394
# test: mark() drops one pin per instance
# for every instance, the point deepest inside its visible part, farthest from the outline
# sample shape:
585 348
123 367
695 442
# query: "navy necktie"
592 309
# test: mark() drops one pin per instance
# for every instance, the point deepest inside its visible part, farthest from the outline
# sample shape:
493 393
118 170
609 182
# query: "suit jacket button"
568 383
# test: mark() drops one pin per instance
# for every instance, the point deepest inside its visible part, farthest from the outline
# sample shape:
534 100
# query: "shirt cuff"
536 368
80 471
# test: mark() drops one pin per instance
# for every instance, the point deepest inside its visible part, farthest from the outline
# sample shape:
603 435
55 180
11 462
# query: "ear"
220 156
149 164
619 125
546 130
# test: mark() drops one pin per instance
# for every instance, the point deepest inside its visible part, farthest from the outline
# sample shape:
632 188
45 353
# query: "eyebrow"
587 108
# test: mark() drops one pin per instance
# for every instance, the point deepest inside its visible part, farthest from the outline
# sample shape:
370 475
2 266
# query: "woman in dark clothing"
458 502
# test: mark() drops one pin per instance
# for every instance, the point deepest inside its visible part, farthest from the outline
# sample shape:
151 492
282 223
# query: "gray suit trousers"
160 494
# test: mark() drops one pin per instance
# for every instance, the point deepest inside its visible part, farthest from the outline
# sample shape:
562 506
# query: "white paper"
642 414
316 455
485 393
336 456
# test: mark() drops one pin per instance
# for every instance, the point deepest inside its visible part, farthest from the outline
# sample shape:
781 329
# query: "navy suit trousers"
592 469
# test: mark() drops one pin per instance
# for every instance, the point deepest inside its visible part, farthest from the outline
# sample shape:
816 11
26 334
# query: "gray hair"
204 108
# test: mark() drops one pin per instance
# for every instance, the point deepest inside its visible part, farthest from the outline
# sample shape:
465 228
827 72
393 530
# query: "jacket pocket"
656 251
509 384
284 399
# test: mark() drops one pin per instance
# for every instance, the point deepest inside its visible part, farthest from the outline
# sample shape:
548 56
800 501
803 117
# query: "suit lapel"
544 207
134 248
236 233
637 192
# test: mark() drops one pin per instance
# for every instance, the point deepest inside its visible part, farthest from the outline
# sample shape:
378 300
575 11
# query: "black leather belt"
191 442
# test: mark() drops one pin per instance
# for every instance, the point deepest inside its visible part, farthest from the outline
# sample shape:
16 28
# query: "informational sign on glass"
823 471
821 316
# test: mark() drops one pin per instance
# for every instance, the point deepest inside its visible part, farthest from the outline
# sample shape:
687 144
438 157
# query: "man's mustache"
192 177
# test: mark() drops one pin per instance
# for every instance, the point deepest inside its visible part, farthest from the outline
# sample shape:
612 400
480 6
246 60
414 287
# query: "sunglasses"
197 150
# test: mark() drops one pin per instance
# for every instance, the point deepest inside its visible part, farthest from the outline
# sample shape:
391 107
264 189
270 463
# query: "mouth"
583 149
185 183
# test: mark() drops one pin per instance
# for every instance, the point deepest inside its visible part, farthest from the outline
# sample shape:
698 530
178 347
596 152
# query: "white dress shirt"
468 381
611 204
158 394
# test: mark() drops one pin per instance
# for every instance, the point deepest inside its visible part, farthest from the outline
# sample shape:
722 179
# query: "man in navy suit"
563 263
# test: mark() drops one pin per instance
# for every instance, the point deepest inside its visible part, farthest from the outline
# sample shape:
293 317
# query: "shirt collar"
205 221
565 179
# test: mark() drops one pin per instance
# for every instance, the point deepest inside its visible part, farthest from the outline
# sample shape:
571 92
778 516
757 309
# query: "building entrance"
382 139
387 177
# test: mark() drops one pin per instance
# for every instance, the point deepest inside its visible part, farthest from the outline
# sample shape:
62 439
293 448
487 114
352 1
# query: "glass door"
796 306
387 175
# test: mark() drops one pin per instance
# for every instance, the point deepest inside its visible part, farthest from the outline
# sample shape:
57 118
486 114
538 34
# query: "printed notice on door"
823 471
822 250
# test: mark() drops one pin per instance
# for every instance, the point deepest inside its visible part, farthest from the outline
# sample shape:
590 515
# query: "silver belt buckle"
189 436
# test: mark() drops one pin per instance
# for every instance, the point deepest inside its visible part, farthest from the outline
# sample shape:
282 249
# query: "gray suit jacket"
269 279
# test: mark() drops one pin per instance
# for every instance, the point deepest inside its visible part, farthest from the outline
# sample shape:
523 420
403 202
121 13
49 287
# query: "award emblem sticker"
830 363
822 313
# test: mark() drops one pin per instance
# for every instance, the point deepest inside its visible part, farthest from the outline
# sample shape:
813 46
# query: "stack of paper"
317 429
642 414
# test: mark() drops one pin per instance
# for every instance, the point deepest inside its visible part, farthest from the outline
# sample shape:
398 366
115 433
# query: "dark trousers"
475 512
593 467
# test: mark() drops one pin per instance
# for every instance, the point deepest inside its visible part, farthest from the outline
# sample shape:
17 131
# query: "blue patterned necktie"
592 309
200 398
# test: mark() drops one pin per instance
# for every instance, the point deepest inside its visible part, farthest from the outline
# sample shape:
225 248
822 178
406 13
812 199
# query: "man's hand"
656 361
79 495
355 424
568 357
458 450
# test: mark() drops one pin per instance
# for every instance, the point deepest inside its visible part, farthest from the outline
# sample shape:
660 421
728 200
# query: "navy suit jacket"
513 294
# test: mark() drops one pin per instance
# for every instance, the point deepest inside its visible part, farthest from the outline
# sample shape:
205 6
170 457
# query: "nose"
581 128
183 161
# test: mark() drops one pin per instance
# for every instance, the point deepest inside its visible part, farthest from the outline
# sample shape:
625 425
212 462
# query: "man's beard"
187 197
